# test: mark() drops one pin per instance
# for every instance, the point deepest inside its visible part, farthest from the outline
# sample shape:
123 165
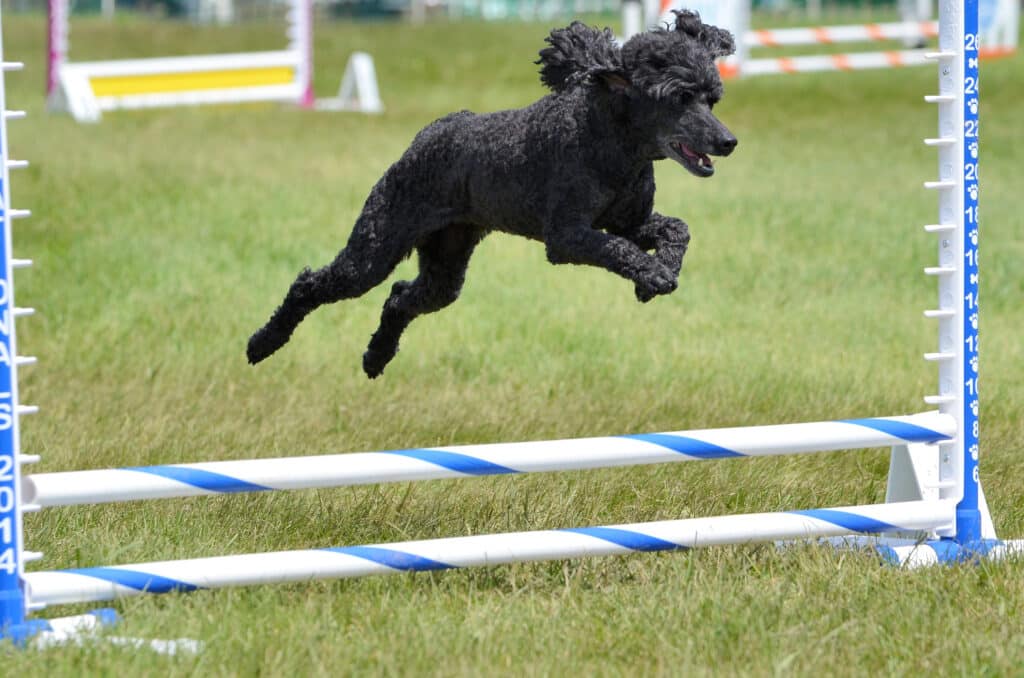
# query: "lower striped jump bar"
107 583
292 473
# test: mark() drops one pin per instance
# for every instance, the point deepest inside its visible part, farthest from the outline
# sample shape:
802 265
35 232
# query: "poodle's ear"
578 53
616 81
719 42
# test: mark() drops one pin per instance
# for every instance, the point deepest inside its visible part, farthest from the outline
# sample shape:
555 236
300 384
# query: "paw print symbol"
974 452
974 238
973 190
974 407
973 148
974 320
974 364
973 105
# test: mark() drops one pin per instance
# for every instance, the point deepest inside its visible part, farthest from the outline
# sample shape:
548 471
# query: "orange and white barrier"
999 30
827 35
831 62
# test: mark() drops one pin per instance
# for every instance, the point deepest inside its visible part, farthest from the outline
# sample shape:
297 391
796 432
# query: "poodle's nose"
727 144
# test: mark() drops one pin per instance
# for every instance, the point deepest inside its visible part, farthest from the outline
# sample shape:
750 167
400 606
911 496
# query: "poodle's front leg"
667 236
582 244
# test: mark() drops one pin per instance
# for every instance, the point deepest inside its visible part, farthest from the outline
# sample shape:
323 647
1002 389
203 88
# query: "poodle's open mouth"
699 164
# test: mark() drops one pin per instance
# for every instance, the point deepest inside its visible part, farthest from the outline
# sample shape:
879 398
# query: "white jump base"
915 553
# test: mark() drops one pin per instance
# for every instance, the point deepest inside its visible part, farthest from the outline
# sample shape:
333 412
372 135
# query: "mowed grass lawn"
162 239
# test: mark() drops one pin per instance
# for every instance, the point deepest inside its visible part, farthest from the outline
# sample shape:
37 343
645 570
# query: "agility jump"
934 492
86 89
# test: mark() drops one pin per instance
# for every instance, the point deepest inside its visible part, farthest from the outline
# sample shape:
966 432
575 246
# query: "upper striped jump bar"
826 35
293 473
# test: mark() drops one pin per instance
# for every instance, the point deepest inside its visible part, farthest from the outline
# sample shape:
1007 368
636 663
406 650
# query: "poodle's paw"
375 360
264 343
657 280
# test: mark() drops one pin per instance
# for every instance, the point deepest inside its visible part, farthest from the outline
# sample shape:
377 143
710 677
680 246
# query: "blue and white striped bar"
107 583
293 473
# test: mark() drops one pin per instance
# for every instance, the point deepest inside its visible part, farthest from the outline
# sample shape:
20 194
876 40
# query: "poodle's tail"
576 52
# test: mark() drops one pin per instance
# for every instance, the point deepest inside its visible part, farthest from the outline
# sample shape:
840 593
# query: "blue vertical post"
968 515
12 597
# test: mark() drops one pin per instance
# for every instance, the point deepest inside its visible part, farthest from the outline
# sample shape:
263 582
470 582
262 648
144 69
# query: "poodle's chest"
625 210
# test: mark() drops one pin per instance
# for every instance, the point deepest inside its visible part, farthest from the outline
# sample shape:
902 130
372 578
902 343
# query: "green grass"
163 238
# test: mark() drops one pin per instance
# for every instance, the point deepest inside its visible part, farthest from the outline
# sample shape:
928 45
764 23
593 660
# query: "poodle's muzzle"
692 153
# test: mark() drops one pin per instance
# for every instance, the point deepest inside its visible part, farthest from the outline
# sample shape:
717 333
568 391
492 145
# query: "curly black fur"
576 53
573 170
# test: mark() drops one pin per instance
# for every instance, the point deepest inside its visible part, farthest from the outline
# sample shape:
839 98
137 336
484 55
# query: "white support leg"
914 475
358 90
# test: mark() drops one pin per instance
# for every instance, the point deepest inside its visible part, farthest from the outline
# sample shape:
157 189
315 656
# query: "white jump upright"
934 511
86 89
13 604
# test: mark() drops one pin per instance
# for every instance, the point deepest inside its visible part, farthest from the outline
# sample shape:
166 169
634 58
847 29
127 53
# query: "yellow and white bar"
91 87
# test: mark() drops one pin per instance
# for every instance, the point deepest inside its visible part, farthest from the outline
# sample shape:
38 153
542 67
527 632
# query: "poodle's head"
665 80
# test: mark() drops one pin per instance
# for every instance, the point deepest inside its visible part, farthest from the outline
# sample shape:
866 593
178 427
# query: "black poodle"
573 170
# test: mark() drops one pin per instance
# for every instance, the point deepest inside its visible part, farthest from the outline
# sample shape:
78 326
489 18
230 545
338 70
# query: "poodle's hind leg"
443 258
371 254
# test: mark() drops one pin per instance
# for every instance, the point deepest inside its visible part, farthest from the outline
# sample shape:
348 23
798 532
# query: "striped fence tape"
834 62
827 35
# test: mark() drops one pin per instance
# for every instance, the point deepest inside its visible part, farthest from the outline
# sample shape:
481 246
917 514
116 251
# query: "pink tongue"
701 157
